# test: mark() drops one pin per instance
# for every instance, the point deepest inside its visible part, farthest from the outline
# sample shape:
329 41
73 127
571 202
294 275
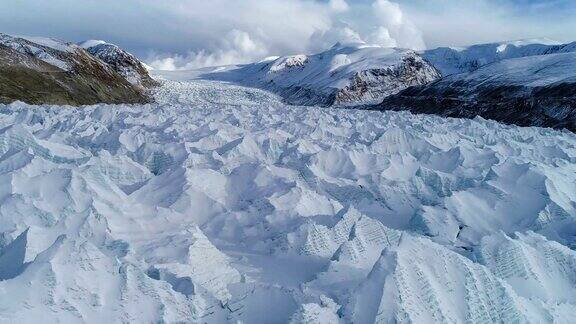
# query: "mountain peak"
121 61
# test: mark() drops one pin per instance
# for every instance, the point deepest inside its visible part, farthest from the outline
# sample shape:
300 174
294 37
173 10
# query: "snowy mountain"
453 60
121 61
536 90
528 82
345 75
43 70
219 203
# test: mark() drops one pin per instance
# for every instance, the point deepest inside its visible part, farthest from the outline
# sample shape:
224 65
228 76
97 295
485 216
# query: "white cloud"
273 27
236 47
339 5
395 27
193 33
388 12
339 32
382 36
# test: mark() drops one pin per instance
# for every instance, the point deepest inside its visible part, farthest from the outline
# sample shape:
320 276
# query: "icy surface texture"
220 203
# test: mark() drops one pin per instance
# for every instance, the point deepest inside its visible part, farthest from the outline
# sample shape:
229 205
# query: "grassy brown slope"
28 79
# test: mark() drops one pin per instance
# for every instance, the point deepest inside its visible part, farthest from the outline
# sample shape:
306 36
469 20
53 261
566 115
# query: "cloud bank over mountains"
275 27
181 34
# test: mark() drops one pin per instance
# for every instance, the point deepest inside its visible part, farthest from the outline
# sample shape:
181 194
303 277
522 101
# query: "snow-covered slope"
346 74
537 90
453 60
121 61
48 50
219 203
44 70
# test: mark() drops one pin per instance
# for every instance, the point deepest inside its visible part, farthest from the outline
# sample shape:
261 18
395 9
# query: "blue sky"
201 32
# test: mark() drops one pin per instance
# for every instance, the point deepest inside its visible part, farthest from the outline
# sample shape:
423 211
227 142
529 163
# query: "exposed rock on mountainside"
46 71
345 75
121 61
529 91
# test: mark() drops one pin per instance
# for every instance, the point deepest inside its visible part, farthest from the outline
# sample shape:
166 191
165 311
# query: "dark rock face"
551 106
40 74
303 95
378 83
537 91
124 63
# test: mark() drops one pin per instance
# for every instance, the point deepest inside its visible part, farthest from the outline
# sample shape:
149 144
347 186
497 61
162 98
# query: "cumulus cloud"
382 36
236 47
338 33
339 5
388 12
394 27
382 23
185 34
317 27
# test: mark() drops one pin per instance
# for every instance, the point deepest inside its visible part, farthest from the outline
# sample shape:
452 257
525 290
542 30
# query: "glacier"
220 203
346 75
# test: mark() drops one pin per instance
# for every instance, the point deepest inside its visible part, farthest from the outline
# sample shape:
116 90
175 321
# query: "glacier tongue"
220 203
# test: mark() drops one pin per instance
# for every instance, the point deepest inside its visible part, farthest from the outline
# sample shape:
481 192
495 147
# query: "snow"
220 203
91 43
49 42
121 61
44 49
467 59
528 72
345 75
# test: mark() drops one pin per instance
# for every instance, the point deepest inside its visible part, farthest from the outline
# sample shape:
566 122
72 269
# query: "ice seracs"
220 203
418 281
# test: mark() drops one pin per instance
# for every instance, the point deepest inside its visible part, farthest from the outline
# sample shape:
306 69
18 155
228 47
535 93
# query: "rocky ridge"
47 71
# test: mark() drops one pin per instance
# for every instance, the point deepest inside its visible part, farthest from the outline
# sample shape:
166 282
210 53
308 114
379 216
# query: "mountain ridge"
436 81
42 70
345 75
530 90
449 60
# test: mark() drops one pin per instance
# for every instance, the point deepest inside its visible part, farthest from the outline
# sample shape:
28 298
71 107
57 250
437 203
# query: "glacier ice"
220 203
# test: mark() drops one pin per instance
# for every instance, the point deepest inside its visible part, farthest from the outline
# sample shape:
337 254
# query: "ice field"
220 203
